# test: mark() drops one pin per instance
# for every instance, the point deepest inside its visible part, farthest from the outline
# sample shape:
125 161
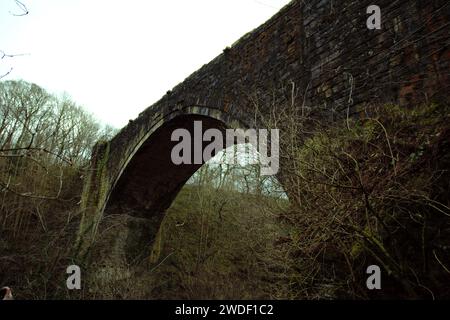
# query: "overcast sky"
118 57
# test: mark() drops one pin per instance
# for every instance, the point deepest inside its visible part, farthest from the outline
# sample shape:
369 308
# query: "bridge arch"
136 177
335 71
148 181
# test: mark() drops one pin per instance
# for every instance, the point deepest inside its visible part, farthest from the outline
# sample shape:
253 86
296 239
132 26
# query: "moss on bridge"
94 197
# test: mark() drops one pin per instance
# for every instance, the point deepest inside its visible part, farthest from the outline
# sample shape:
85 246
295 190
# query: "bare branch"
27 194
22 7
4 75
3 54
44 150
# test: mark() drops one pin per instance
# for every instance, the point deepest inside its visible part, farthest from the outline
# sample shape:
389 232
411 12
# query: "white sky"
118 57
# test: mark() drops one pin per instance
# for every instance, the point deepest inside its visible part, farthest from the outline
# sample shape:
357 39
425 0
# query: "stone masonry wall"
325 49
407 61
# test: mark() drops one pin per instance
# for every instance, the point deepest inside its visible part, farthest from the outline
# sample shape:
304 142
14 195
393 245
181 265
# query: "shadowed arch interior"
151 181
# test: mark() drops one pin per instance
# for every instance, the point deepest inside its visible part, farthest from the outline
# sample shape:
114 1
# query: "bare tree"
22 11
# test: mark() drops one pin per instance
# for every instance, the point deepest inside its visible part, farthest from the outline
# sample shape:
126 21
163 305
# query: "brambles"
372 191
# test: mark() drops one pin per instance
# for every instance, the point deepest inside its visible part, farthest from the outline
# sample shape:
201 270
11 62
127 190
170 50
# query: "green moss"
156 248
356 250
93 197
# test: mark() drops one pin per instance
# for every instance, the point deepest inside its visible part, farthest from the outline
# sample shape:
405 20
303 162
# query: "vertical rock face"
323 47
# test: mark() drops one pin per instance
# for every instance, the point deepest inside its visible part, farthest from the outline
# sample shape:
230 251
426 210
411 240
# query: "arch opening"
151 180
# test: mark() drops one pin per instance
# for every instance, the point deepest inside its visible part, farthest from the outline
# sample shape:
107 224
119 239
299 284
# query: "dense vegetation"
373 190
45 143
362 190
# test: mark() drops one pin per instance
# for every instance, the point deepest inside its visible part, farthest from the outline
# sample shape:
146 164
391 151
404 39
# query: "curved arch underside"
151 181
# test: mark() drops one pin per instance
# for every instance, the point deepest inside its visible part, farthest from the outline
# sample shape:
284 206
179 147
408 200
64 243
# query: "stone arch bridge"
323 47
